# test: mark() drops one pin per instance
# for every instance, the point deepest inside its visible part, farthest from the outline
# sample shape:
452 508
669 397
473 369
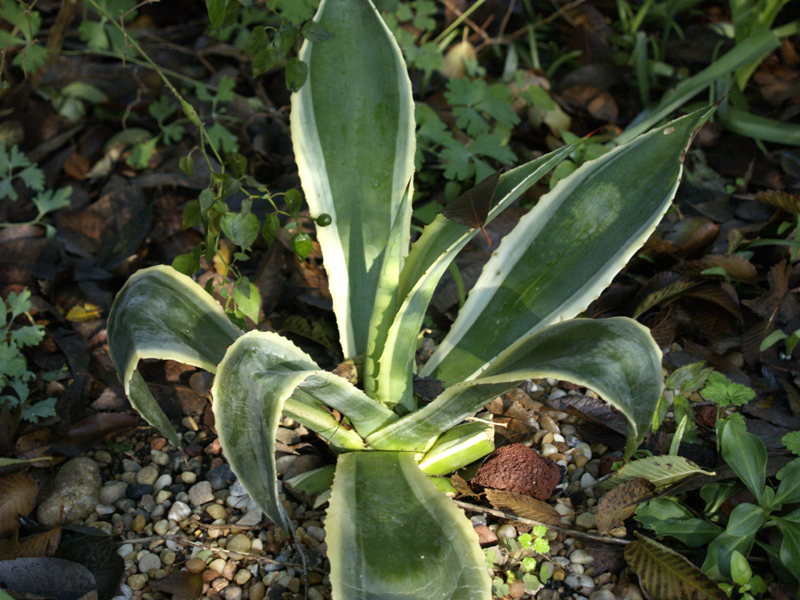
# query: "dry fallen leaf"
17 498
524 506
620 503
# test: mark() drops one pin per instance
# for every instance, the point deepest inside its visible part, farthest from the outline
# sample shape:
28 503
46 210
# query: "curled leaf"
621 502
524 506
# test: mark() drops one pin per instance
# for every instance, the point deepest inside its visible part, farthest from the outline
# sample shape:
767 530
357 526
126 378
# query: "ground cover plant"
352 129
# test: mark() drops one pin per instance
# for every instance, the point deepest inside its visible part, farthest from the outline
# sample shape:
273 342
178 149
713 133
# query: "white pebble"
548 449
557 437
556 393
237 489
124 550
316 532
149 562
179 512
188 477
237 501
584 449
506 531
162 482
580 556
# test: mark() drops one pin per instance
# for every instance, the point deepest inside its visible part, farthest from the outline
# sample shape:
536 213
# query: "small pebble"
138 523
159 457
579 580
195 565
112 491
238 543
602 595
506 530
232 592
258 590
179 511
147 475
168 557
547 422
316 532
216 511
584 449
137 582
548 449
237 489
188 477
220 477
148 562
130 465
102 457
162 482
585 520
161 527
218 564
238 501
163 496
125 549
581 557
104 509
313 594
201 493
242 576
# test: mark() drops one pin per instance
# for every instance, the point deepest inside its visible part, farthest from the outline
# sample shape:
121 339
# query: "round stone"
188 477
76 493
147 476
163 496
216 511
148 562
130 465
161 527
602 595
220 477
581 557
137 582
238 543
113 491
506 531
232 592
579 580
168 556
258 590
585 520
238 501
159 457
195 565
104 509
138 523
316 532
179 511
218 565
125 549
201 493
242 576
162 482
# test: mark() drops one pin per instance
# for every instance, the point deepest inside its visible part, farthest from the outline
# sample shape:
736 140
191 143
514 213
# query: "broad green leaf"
740 570
659 470
745 454
430 256
667 575
353 137
744 522
789 488
392 535
567 249
667 517
162 314
789 526
616 357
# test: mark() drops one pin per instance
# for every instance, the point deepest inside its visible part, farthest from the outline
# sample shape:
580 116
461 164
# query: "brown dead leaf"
524 506
39 545
182 585
620 503
462 487
88 432
661 287
737 268
783 200
17 498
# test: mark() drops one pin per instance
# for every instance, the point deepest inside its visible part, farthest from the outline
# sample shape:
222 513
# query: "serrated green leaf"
28 335
40 410
142 153
50 200
792 442
689 378
723 391
19 302
222 139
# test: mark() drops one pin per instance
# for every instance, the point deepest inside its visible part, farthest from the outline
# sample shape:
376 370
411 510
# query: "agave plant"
390 532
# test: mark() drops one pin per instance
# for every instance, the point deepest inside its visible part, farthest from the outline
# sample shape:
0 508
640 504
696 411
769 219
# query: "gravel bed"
188 513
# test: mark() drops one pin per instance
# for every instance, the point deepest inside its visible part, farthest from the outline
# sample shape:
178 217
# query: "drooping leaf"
615 357
789 526
471 208
392 534
567 249
263 374
667 575
665 516
525 506
621 502
162 314
789 489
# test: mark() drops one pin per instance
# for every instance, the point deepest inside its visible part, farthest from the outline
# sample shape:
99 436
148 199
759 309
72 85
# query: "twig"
513 517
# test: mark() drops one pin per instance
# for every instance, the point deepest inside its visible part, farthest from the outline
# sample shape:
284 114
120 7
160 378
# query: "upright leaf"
745 454
567 249
392 534
353 137
740 534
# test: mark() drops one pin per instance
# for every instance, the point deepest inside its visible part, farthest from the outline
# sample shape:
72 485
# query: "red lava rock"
486 537
520 469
